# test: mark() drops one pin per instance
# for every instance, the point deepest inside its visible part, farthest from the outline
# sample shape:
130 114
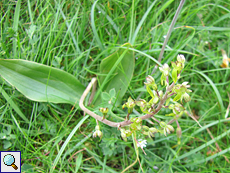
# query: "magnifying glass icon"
9 160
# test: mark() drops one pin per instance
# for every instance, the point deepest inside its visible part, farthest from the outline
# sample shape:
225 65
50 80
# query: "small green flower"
130 105
146 107
104 111
125 133
177 67
181 58
149 131
97 132
136 124
165 69
142 103
150 82
166 128
165 72
186 97
182 92
170 128
177 108
160 94
152 131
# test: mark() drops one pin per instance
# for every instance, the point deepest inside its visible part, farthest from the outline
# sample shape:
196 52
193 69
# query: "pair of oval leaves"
43 83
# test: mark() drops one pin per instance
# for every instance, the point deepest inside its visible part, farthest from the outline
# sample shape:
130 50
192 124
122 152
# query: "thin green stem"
137 153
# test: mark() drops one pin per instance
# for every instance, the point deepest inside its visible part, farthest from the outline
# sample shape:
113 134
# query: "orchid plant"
171 97
160 99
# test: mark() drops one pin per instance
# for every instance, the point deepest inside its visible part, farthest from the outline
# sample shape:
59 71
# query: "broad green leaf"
117 70
41 83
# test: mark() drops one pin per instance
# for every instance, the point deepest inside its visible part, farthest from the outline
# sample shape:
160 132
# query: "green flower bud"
186 97
97 127
161 94
174 75
104 110
124 105
149 131
152 131
145 128
182 92
136 125
180 58
179 135
97 132
130 105
171 106
145 133
131 102
163 124
166 128
141 103
146 107
177 67
123 135
174 65
170 128
155 100
165 72
178 132
150 82
178 108
165 69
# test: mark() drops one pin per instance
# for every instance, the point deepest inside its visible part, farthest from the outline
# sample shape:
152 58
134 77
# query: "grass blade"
66 143
13 105
15 26
141 22
94 27
214 88
202 146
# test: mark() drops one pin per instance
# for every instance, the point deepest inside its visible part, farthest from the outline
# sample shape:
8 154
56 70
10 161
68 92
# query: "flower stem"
136 150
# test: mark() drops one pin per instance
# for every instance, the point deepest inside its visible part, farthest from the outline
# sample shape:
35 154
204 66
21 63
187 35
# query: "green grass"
75 36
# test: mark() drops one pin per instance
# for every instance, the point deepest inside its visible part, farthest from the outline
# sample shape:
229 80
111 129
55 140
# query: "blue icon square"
10 161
